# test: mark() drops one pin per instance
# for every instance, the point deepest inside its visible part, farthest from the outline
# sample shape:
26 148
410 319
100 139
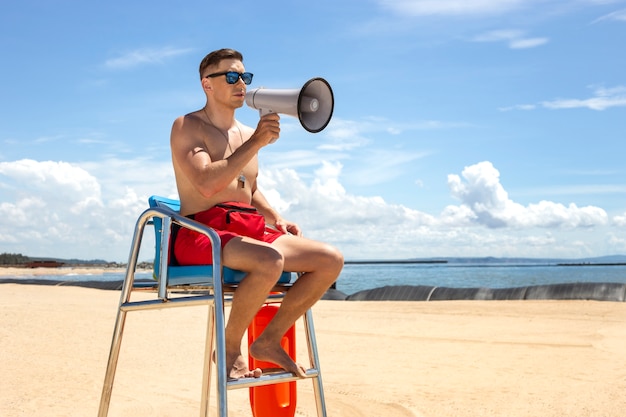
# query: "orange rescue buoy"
277 400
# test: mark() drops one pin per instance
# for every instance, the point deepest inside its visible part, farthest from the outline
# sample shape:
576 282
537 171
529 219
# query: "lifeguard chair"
207 285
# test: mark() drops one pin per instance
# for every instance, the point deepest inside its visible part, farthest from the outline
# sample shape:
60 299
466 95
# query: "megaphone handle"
263 112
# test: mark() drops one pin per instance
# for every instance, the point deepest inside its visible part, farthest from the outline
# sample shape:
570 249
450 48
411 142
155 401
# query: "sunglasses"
232 77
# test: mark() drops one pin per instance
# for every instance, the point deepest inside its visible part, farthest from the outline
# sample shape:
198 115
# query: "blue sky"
478 128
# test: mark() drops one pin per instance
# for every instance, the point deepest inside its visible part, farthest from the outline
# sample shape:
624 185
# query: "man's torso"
215 143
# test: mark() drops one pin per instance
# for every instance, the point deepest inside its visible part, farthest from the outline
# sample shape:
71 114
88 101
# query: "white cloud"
603 99
345 135
513 37
144 56
88 211
525 107
619 16
498 35
527 43
52 208
620 221
486 222
487 203
381 166
480 8
452 7
73 184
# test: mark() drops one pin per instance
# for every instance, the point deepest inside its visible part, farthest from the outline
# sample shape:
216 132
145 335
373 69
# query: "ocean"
358 277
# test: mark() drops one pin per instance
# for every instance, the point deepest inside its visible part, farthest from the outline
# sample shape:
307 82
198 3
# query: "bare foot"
274 353
240 370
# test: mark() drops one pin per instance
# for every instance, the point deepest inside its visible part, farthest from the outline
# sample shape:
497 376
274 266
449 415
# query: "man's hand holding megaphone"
312 104
268 129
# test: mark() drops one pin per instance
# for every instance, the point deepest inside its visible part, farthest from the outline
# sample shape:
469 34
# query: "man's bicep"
189 153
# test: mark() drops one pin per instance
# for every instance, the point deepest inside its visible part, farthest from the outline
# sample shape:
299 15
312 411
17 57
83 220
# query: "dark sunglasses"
232 77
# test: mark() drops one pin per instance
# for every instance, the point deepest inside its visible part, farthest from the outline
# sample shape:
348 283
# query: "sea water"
358 277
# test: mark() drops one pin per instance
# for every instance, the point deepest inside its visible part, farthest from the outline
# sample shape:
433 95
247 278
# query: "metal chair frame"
215 294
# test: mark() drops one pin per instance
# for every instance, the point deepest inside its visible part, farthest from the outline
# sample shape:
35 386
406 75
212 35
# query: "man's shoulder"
192 117
187 122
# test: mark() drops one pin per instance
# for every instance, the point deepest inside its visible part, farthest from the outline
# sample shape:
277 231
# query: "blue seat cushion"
203 274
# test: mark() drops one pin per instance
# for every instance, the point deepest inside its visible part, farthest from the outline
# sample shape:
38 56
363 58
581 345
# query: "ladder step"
269 378
158 304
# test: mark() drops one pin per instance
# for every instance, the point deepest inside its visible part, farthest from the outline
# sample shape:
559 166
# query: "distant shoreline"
593 264
399 261
444 261
11 271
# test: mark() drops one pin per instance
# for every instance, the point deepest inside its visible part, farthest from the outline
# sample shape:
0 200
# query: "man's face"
217 85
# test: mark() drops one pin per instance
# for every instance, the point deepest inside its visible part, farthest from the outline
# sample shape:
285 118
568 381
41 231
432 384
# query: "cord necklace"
241 180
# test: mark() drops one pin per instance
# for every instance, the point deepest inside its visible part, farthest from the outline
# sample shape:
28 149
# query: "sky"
459 129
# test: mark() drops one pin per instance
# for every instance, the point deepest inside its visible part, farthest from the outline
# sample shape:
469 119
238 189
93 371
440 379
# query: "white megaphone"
312 104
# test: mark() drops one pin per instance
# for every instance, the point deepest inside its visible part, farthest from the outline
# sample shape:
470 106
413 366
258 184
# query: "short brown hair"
214 58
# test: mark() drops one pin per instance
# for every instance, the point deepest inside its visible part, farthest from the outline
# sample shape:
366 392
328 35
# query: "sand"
13 272
444 358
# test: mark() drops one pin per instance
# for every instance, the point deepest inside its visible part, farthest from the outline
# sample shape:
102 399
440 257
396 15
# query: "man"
216 167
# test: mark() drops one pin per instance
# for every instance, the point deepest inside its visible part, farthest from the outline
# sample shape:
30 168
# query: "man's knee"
269 261
333 259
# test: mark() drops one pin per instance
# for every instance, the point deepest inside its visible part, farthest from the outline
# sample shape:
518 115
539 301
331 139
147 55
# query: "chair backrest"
156 201
167 203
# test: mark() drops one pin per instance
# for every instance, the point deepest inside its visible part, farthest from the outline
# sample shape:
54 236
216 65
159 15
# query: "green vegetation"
19 260
13 259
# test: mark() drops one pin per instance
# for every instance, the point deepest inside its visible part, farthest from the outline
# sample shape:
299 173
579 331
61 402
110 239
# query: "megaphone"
312 104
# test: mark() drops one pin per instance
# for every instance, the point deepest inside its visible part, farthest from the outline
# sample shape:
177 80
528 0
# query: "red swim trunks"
229 220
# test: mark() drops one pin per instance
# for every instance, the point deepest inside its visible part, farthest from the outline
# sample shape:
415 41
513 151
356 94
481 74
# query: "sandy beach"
444 358
70 270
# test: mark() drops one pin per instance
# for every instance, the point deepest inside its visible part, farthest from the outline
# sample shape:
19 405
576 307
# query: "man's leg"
320 264
263 265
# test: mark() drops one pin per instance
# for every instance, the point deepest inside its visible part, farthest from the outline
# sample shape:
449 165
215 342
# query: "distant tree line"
17 259
13 259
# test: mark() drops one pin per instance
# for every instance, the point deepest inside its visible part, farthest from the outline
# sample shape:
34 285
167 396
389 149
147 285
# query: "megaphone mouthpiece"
312 104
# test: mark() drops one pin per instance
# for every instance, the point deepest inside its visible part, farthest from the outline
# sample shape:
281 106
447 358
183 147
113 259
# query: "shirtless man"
215 161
